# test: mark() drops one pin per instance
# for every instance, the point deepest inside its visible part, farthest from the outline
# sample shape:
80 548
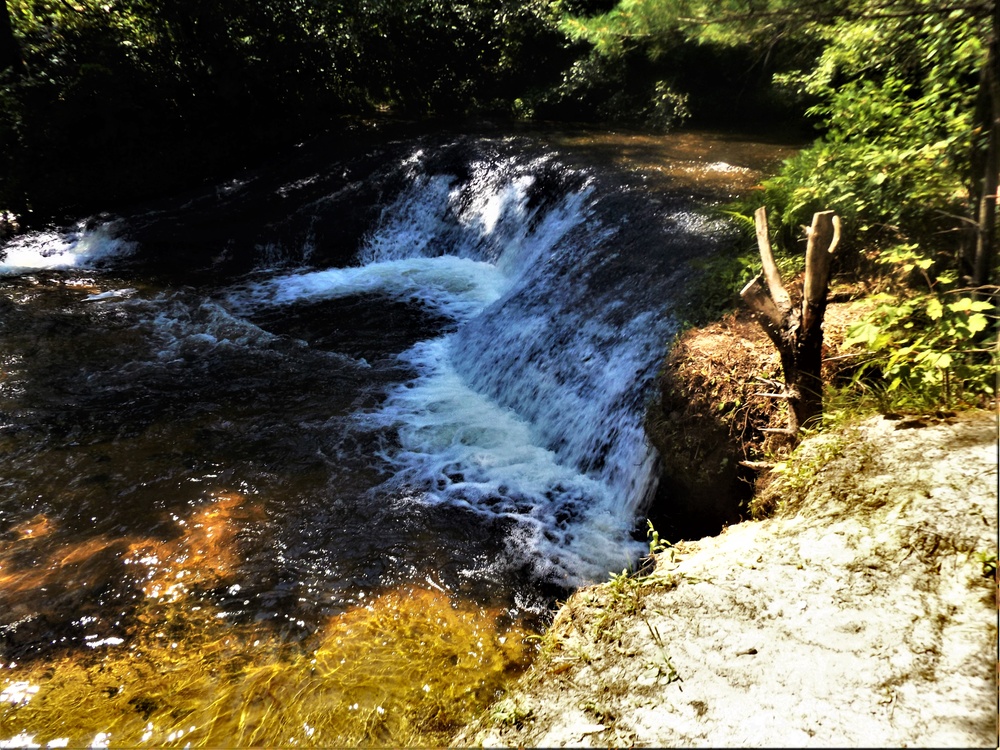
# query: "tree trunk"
10 51
980 256
796 332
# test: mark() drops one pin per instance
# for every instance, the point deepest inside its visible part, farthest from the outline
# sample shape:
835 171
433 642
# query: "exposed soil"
857 615
710 418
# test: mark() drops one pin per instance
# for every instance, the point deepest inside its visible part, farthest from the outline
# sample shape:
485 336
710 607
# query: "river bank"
857 615
852 611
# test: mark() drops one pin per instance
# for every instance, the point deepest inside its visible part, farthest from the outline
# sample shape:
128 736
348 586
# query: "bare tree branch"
771 273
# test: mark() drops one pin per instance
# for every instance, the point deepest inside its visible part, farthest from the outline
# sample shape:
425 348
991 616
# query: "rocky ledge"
863 612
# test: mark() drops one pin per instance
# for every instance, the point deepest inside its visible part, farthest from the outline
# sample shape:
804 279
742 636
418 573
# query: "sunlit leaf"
977 322
934 308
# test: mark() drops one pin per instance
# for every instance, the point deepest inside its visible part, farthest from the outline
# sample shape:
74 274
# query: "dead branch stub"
796 331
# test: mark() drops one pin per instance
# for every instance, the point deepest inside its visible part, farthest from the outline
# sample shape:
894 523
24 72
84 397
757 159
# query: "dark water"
324 443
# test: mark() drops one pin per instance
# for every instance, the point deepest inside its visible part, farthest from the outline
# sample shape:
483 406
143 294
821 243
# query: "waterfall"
375 395
536 299
51 250
530 404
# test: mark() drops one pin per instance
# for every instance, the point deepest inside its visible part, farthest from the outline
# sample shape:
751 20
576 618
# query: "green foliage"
716 289
890 84
656 545
127 96
115 92
796 473
622 90
988 561
509 712
643 49
431 56
928 349
895 102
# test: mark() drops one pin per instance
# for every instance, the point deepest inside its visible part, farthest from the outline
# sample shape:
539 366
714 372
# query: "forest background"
110 101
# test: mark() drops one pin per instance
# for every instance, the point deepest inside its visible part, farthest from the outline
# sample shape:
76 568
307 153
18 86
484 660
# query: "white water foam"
461 447
180 328
582 397
487 218
78 247
458 288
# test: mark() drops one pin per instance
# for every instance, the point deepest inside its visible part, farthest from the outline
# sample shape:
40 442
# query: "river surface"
306 457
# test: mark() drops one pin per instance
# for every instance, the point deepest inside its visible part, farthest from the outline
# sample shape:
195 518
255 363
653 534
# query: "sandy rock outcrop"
858 615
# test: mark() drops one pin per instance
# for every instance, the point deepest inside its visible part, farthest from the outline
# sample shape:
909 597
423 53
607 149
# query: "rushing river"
305 458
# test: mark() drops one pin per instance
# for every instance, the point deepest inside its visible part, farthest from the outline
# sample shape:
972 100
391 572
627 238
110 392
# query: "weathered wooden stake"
796 332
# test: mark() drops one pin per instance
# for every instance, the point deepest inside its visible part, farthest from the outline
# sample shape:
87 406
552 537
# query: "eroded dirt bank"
858 615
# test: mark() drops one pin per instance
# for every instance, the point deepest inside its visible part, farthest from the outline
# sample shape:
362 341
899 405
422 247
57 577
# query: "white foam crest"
179 327
413 225
458 288
458 446
494 201
487 218
50 250
524 253
111 294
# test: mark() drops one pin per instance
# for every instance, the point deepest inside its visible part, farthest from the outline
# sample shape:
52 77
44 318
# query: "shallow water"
306 458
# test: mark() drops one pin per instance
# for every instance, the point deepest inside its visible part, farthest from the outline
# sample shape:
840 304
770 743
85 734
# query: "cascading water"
423 371
530 403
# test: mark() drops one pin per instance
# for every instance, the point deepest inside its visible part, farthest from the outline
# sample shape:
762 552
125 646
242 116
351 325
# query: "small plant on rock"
509 713
988 561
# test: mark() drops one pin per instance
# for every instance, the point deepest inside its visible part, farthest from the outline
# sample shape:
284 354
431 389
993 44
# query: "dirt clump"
707 420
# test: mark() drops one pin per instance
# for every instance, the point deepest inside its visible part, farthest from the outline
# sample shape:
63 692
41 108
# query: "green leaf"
967 304
934 308
862 333
977 322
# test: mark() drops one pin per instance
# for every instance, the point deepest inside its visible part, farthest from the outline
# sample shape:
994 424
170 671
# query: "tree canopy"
150 87
97 95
